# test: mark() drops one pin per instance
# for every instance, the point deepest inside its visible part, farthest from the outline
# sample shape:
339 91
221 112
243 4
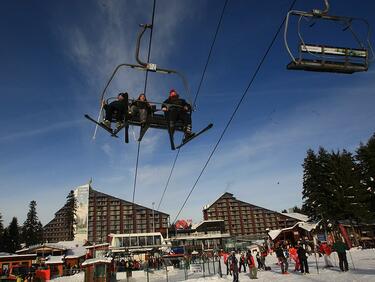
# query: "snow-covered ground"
363 270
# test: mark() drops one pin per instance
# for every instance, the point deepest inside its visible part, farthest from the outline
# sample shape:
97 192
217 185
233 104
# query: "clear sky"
56 56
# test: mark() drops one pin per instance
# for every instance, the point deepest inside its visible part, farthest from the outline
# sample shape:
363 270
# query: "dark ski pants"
244 267
283 264
142 113
343 261
115 110
175 114
235 276
304 265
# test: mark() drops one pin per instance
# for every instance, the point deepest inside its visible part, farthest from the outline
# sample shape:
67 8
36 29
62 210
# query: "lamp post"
153 217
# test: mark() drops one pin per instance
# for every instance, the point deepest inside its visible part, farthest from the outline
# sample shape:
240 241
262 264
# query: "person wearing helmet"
115 110
177 109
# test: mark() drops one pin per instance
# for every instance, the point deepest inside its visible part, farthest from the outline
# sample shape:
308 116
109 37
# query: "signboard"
322 237
177 250
82 196
196 267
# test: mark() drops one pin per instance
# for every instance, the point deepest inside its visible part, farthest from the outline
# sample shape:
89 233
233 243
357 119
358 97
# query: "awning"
96 260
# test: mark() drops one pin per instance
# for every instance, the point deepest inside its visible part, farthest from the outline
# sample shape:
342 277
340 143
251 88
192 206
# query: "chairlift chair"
323 58
155 120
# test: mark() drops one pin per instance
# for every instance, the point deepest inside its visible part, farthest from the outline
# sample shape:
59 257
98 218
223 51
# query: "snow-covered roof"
274 233
97 246
307 226
96 260
70 244
304 225
296 215
7 255
43 246
75 249
54 259
76 252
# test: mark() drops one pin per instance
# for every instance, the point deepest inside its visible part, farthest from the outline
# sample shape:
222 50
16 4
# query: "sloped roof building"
100 214
245 220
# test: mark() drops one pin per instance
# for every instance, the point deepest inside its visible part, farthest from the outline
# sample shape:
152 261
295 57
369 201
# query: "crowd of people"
236 262
127 264
286 253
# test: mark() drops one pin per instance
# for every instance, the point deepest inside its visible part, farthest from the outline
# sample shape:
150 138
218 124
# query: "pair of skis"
187 140
143 131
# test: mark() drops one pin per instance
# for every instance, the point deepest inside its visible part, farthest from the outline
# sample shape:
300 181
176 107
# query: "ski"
142 131
171 134
195 135
113 133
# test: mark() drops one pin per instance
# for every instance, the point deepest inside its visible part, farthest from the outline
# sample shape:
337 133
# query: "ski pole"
316 262
351 259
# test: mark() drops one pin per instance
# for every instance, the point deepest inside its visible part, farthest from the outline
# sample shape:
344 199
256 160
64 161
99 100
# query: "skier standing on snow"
252 266
294 256
325 249
302 255
242 263
282 259
340 247
234 266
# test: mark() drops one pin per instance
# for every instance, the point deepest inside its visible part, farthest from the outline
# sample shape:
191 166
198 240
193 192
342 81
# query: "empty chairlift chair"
323 58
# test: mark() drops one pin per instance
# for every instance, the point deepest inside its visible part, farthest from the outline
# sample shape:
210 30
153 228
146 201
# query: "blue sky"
56 57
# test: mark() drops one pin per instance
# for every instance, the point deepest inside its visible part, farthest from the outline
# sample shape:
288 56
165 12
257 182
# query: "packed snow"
361 268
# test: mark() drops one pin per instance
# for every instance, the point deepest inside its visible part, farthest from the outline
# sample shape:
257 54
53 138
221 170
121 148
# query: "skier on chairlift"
141 108
115 111
177 109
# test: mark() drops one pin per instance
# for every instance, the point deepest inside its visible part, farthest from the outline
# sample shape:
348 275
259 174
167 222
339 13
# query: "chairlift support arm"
153 67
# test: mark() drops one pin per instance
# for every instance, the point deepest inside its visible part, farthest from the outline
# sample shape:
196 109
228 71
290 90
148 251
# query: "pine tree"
366 163
31 231
316 190
297 209
309 183
12 236
344 186
71 209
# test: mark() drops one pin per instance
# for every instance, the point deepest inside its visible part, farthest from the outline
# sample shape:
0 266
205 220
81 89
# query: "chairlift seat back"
349 60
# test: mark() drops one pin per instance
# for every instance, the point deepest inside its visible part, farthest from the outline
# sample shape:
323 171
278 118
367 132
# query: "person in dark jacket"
140 108
177 109
282 259
259 261
115 110
340 247
242 263
233 262
302 256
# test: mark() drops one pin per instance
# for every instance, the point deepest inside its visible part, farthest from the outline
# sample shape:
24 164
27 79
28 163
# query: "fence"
176 270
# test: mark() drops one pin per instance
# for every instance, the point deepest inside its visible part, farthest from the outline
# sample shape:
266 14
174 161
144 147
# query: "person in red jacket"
252 266
294 256
326 250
